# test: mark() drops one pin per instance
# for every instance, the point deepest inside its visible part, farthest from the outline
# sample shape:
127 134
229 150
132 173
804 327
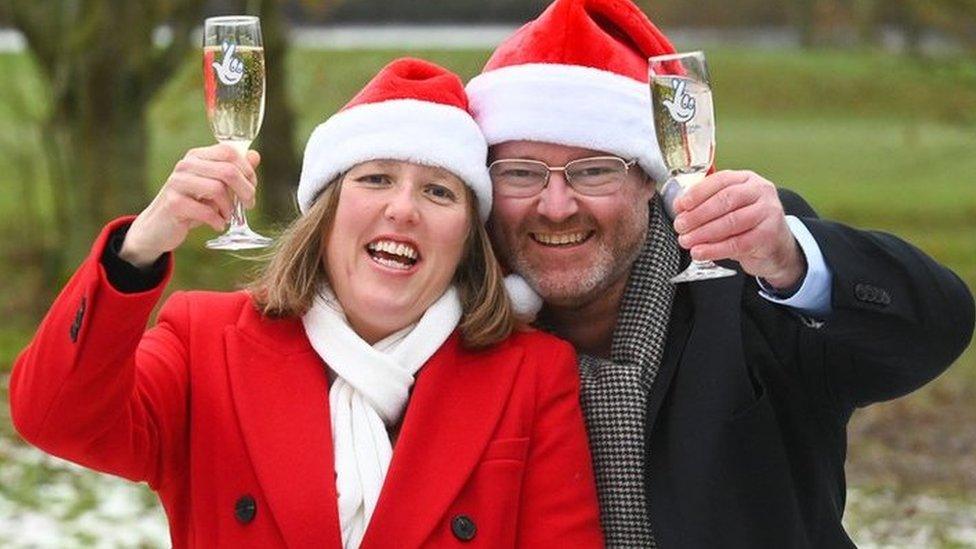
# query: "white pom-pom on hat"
525 302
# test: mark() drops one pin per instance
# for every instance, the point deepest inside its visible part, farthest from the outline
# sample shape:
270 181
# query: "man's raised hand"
738 215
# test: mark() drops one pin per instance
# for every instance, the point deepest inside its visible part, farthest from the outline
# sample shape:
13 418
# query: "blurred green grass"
870 139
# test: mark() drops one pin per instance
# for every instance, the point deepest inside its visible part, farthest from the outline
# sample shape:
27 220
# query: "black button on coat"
463 527
244 509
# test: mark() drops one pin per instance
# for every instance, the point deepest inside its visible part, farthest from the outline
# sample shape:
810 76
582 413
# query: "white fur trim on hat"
570 105
417 131
525 302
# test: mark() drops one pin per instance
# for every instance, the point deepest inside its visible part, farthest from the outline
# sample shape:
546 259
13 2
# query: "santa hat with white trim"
412 110
576 76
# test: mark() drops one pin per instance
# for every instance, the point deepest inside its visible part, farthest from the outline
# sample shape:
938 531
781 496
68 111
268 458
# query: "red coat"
225 414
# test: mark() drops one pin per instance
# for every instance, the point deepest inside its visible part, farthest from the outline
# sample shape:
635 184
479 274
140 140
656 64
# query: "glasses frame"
628 164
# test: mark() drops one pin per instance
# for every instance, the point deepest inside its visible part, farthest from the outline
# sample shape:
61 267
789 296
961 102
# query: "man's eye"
594 172
518 173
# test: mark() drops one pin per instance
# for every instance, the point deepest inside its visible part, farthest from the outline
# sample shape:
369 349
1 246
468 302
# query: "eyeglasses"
594 176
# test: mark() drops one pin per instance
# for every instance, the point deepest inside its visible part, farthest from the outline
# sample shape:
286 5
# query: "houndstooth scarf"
614 391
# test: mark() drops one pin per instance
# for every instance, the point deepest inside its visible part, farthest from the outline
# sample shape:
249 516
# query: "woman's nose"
402 205
557 202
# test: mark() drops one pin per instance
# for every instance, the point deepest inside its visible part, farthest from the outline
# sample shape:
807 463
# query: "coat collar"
281 391
280 388
457 402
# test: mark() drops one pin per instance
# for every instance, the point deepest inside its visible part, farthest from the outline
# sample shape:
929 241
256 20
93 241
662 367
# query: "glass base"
240 239
701 270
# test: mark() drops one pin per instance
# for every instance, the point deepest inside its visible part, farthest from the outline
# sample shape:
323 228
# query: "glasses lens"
517 178
596 176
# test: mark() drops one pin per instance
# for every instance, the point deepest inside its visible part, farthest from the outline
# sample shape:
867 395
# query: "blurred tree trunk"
908 17
103 69
866 18
955 19
805 20
280 162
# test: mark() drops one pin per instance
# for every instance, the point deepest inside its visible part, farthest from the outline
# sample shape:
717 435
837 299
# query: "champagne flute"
234 83
684 123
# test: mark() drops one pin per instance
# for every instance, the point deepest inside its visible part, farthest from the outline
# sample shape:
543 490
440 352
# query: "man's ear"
648 184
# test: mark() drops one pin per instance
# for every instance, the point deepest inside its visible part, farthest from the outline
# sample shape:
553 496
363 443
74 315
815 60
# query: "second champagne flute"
234 84
684 123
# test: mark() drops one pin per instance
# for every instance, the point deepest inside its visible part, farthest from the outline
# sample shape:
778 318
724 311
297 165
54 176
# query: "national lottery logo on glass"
684 125
230 71
234 88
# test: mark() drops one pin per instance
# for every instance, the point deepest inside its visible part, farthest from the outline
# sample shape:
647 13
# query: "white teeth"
561 239
394 248
393 264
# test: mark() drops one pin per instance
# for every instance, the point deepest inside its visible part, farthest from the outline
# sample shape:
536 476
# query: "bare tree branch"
184 17
37 22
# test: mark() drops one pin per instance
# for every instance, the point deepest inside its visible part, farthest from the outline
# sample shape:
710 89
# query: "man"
716 410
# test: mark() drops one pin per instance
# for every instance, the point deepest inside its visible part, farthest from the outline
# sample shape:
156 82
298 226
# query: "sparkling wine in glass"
234 84
684 122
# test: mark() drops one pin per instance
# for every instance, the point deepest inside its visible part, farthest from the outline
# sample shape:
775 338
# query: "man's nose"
557 202
402 206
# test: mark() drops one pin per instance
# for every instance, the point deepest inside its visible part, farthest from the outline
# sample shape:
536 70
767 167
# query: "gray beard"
583 286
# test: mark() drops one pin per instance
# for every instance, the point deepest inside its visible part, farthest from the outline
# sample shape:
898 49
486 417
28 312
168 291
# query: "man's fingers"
726 226
747 245
723 202
712 184
725 249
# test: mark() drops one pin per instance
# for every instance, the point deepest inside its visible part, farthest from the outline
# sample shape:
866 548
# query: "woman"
269 418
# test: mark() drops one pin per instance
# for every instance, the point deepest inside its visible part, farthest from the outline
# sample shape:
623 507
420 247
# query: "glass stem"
237 219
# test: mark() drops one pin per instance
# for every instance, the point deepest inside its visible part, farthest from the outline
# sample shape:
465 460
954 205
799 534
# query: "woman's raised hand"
199 191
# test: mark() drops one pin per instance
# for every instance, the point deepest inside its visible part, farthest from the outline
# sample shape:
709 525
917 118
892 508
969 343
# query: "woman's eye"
373 179
441 193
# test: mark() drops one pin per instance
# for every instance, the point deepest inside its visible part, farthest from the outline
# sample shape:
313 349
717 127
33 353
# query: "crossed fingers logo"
682 107
230 70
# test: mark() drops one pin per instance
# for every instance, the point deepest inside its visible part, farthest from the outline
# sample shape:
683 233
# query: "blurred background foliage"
868 109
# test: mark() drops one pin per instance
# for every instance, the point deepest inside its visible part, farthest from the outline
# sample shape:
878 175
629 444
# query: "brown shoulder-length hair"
286 285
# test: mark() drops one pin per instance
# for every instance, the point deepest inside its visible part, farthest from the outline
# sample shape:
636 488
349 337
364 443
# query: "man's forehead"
551 153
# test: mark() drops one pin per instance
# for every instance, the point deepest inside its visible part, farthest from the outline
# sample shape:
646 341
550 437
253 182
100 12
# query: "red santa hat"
412 110
575 76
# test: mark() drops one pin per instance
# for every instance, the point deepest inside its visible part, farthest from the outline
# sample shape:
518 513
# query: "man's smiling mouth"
561 240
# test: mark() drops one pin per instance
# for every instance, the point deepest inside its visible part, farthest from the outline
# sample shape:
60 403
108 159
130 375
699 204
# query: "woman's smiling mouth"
393 254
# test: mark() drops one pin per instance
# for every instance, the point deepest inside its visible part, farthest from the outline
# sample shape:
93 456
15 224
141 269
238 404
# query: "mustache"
575 223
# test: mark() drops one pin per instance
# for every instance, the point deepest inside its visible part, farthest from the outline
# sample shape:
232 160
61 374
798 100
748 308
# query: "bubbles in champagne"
687 146
235 110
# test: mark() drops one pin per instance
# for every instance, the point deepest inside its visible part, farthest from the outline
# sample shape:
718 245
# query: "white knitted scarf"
369 395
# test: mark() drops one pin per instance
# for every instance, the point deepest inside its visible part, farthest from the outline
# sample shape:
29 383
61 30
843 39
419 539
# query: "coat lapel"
678 329
456 404
281 389
723 294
